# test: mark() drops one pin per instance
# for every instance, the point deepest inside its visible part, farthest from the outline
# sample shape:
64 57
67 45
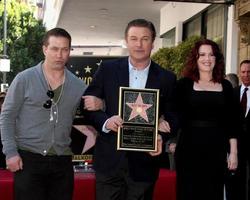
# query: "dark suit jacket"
244 132
106 82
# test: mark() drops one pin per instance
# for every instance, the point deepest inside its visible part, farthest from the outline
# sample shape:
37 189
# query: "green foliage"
174 58
24 37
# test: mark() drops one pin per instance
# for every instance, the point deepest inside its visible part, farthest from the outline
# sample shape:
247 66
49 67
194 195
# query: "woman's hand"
163 125
232 161
159 146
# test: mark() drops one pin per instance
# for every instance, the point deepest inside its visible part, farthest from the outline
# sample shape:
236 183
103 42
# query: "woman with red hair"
208 129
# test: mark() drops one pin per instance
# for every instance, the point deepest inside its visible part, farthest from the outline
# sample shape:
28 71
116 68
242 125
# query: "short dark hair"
2 97
191 68
244 62
57 32
233 79
141 23
2 94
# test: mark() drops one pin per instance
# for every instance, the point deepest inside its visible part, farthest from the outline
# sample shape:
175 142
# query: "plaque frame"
143 126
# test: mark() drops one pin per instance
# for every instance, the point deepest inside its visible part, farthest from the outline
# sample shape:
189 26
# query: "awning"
203 1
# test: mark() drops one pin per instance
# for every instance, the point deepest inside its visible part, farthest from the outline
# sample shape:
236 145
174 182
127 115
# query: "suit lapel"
153 80
248 113
238 93
238 97
123 73
238 100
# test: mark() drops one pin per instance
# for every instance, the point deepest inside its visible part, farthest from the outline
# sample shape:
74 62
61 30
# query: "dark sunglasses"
48 103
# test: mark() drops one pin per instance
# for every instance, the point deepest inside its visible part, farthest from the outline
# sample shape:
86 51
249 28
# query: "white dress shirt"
137 79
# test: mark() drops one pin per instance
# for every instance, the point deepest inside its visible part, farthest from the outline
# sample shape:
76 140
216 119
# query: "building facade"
227 24
242 18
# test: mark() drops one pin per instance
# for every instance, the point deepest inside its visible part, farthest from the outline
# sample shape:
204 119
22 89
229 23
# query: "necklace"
54 111
207 86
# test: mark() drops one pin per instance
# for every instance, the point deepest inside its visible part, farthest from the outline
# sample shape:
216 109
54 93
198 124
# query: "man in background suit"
120 174
238 187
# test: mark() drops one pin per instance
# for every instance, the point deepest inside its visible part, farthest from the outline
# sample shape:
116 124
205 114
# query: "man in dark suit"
238 186
129 174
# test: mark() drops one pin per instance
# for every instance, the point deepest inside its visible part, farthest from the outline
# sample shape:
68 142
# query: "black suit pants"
44 177
120 186
237 182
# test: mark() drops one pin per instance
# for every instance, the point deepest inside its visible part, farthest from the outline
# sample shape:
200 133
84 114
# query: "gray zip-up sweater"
26 124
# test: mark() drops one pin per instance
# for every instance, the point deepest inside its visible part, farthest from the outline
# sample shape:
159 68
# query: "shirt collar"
131 67
242 88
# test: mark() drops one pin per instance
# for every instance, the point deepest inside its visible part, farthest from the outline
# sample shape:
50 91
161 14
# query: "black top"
207 120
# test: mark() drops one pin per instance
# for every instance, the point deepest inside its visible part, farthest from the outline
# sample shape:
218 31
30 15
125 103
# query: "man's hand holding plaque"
113 123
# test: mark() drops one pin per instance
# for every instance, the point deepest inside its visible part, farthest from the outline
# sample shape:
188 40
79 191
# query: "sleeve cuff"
104 127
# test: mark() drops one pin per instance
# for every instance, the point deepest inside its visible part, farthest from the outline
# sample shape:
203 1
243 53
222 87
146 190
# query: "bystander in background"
238 187
233 79
2 156
230 178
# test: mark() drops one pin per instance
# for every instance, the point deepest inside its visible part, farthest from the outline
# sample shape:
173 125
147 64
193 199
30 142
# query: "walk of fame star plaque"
139 110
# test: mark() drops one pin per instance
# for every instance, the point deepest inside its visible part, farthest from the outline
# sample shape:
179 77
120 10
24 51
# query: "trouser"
121 186
237 182
2 157
44 177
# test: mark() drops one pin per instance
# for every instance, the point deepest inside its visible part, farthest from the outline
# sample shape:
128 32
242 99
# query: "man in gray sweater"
36 123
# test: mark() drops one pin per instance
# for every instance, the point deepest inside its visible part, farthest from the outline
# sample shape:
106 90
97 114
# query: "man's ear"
44 49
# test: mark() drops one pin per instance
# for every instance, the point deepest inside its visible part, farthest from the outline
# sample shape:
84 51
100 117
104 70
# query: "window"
168 38
210 24
216 25
193 27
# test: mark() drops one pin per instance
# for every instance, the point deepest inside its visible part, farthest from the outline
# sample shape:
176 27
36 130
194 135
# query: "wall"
53 10
232 43
175 13
242 18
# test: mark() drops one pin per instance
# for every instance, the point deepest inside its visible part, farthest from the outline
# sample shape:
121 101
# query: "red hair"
191 68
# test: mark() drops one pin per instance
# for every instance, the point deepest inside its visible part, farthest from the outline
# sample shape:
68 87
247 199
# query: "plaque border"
147 90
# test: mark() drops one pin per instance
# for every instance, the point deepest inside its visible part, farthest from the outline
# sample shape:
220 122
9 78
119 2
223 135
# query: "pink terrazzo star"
139 108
